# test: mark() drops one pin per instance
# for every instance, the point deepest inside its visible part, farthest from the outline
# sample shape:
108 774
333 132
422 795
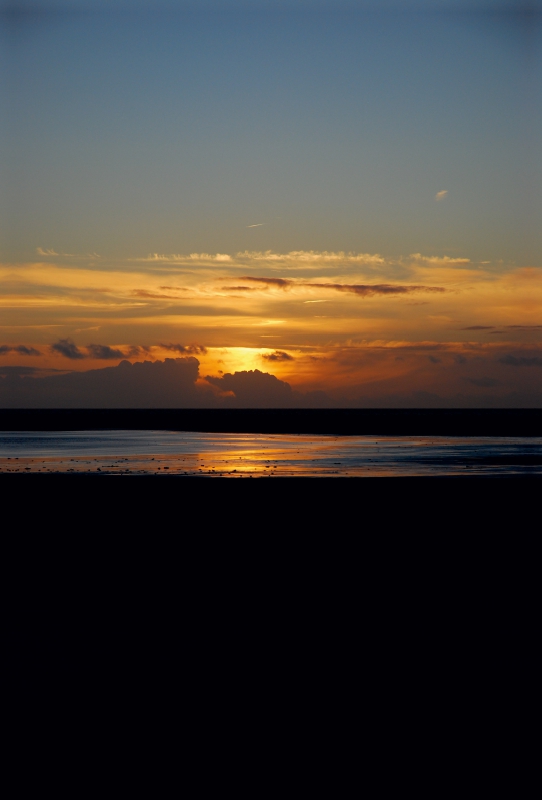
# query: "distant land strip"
339 422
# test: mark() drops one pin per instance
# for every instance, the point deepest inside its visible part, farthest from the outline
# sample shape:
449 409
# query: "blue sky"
329 127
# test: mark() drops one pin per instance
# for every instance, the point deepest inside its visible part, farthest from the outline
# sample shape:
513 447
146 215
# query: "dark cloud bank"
20 349
173 383
103 352
159 384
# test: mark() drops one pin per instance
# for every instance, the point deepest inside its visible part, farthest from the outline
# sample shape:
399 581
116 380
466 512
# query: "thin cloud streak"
440 261
367 290
362 290
292 258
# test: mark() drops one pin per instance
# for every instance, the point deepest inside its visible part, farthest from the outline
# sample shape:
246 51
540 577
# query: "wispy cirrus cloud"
48 252
299 258
294 259
440 261
192 258
310 257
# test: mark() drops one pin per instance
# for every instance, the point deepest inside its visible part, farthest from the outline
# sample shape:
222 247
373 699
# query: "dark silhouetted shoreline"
339 422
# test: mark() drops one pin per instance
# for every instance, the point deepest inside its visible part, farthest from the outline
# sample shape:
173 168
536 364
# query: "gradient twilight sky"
345 195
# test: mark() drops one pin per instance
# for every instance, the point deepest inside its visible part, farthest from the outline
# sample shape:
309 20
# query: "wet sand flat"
171 453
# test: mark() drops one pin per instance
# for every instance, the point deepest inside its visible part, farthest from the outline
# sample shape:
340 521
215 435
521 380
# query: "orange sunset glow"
357 327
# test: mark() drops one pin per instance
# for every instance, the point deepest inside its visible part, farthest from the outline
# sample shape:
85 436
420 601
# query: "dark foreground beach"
442 467
257 443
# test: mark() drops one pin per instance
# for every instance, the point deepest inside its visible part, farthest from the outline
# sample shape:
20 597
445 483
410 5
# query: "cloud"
144 293
104 352
278 355
292 258
160 384
434 360
441 195
136 350
224 257
179 258
354 376
238 288
366 290
67 348
50 252
255 389
311 257
440 261
257 225
521 361
150 384
361 289
526 327
478 328
21 349
191 349
280 283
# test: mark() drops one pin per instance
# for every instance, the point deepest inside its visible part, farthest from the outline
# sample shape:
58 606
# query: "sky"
345 196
